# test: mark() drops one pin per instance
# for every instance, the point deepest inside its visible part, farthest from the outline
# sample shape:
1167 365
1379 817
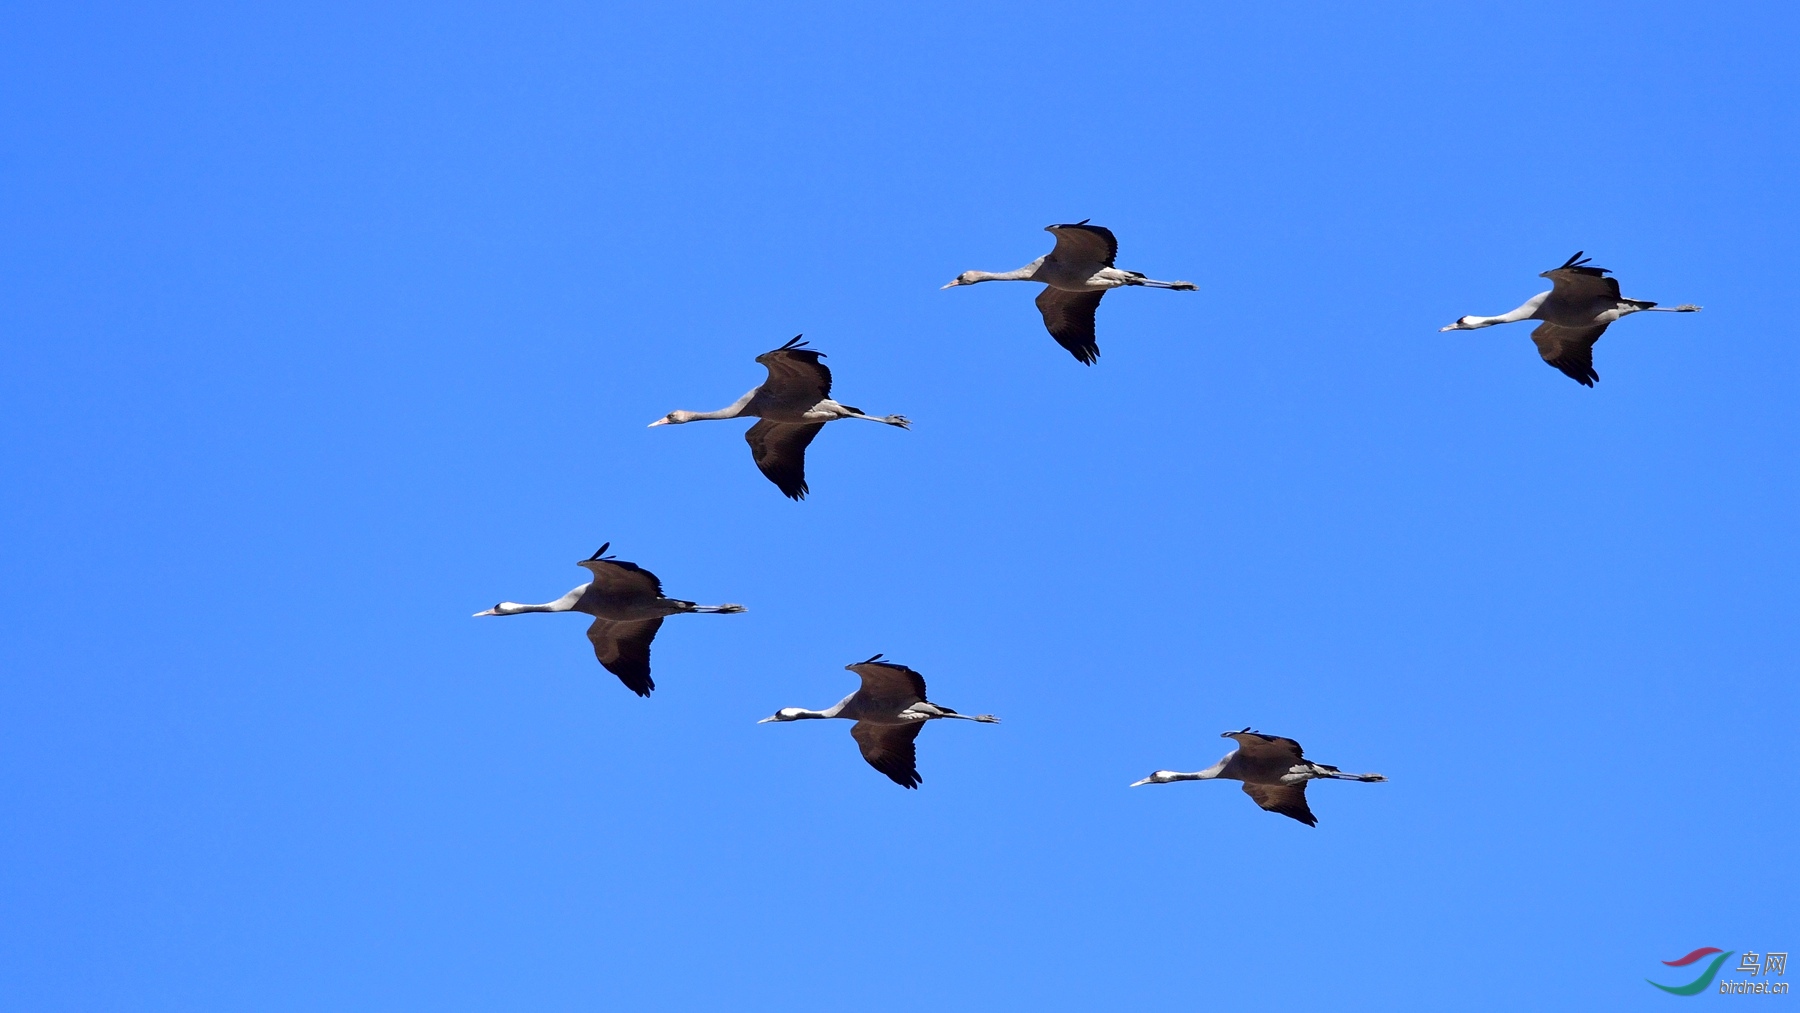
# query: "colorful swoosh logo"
1703 951
1699 984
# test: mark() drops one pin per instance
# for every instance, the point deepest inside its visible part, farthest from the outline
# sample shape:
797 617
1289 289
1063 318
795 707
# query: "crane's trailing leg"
830 411
892 420
986 719
1322 771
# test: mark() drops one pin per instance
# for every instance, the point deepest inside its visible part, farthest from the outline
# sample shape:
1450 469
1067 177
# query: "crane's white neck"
802 714
1022 274
1166 776
730 411
1524 312
512 608
976 277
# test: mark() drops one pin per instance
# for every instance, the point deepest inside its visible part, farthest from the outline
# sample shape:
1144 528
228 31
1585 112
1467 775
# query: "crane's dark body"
890 710
628 606
1274 771
791 406
1582 303
797 382
1075 274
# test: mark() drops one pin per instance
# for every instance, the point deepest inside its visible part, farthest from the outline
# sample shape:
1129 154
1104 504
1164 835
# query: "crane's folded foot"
898 420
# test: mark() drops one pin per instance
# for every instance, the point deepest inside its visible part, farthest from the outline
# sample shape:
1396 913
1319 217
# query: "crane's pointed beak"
659 422
485 612
954 282
1146 780
765 721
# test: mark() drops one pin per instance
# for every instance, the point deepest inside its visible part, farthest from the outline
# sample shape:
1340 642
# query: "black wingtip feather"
1580 265
601 551
634 677
908 779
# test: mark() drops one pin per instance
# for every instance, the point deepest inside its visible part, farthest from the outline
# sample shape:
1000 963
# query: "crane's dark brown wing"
796 376
1570 349
1575 282
616 581
1287 799
1069 317
624 649
1082 243
889 749
779 449
887 686
1271 748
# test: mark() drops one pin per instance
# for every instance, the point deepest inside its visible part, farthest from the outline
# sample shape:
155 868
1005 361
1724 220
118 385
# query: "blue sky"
326 327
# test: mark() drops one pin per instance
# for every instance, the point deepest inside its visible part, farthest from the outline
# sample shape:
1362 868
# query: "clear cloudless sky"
328 325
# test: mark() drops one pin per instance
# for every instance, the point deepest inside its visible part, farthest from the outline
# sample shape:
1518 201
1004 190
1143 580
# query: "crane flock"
889 709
